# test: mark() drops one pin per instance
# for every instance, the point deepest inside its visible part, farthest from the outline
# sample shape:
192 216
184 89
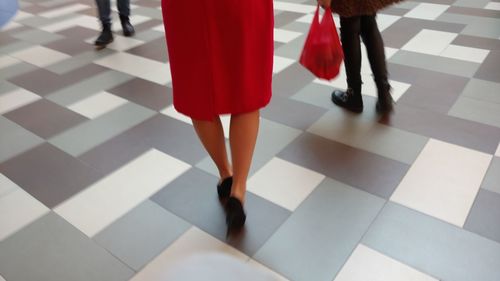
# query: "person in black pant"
104 9
358 18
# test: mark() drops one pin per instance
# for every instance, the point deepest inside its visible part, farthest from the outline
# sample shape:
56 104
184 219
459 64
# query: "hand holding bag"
322 53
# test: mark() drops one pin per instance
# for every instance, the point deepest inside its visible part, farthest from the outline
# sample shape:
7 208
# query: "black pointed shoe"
224 188
348 99
128 29
235 215
106 36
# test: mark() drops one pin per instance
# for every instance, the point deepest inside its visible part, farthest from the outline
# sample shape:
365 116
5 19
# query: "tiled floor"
101 179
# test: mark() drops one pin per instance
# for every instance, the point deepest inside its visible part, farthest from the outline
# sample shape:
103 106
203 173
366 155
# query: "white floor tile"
284 183
6 61
65 24
1 278
64 10
6 185
40 56
11 25
430 42
259 266
493 6
497 153
280 63
367 264
443 181
160 28
97 105
16 99
193 242
17 209
20 15
147 69
427 11
384 21
292 7
285 36
465 53
108 199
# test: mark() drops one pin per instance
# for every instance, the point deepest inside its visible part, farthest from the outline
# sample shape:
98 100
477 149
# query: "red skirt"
221 55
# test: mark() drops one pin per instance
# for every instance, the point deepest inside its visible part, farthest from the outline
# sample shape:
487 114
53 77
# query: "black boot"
350 100
385 103
128 29
105 37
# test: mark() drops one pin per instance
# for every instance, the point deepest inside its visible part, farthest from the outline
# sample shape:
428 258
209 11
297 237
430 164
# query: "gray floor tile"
320 235
78 61
285 18
473 4
402 31
45 118
483 217
155 50
272 138
367 134
433 246
43 82
482 90
54 176
436 63
88 87
193 197
77 32
474 25
149 35
292 113
101 129
37 36
450 129
480 11
171 136
370 172
291 80
69 46
145 93
141 234
15 139
149 12
477 110
14 47
15 70
6 87
491 180
293 49
52 249
477 42
490 69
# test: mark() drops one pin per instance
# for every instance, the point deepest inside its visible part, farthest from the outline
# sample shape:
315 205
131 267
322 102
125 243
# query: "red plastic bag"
322 53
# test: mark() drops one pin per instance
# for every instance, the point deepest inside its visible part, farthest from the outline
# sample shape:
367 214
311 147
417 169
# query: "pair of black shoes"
235 214
106 36
352 101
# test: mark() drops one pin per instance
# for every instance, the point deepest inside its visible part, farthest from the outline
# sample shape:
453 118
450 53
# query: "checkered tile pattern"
101 179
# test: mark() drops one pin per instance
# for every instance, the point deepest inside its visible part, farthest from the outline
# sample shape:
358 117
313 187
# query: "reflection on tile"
368 264
17 208
433 246
90 210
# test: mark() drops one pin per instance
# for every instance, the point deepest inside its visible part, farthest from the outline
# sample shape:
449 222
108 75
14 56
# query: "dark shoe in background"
106 36
128 29
385 103
349 100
